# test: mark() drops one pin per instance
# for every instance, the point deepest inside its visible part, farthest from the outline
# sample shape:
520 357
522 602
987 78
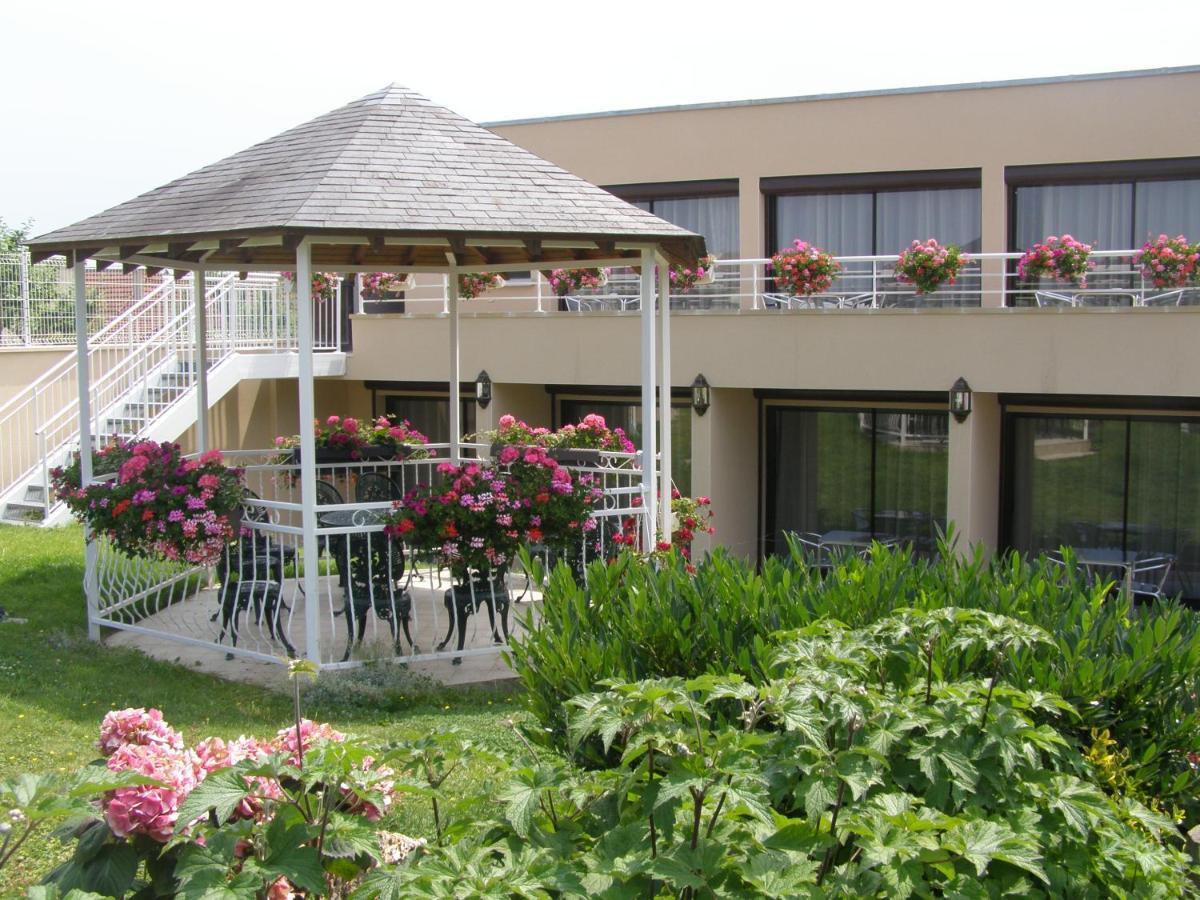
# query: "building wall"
987 128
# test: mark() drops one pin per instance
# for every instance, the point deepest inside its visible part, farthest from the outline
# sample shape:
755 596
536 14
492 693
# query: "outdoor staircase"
143 379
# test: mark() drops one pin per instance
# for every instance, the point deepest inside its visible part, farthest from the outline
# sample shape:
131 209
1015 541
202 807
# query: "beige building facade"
1084 426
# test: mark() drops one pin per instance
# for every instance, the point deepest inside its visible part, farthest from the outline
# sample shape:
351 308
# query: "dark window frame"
1109 413
873 183
1129 171
809 401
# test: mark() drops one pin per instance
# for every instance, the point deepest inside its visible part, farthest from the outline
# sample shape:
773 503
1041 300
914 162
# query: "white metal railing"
374 598
865 282
149 347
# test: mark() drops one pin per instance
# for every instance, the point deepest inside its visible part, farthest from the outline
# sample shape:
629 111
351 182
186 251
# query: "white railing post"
455 401
200 359
308 455
42 452
85 439
666 480
26 325
649 456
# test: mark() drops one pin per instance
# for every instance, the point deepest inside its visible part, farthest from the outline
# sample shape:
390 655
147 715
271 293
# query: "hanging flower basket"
804 269
472 285
324 284
929 265
684 278
157 504
1061 258
384 285
1169 262
568 281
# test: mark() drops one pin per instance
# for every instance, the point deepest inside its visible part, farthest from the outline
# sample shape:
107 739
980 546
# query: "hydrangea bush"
1169 262
928 265
1062 258
157 503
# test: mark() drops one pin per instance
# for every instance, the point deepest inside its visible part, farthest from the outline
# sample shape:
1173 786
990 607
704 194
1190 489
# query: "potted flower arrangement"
157 504
1062 258
1169 262
324 284
349 439
376 285
929 265
804 269
583 443
567 281
684 278
472 284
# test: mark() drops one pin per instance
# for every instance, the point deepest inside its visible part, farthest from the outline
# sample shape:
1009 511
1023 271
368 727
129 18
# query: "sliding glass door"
855 475
1110 483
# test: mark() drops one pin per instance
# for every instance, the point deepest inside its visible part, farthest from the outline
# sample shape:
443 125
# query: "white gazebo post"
664 305
83 383
649 467
201 360
455 401
308 450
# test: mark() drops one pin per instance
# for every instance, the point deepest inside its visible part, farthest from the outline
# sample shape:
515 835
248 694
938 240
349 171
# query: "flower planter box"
365 453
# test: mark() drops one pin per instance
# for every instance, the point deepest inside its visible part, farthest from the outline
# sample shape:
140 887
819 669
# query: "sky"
103 101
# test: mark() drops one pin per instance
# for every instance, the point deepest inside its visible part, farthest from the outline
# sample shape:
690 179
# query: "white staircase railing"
144 360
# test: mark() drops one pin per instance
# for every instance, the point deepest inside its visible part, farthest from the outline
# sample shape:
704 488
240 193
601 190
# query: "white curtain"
1097 214
1166 207
714 217
950 215
837 223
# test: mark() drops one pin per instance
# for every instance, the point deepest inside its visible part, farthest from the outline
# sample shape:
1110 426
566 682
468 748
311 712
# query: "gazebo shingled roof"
402 180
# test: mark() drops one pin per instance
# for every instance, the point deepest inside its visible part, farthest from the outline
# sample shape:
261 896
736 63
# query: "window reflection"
628 416
854 475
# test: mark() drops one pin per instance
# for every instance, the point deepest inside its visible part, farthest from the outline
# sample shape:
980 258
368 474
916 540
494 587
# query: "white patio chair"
864 300
1168 298
777 301
573 304
1050 298
1150 576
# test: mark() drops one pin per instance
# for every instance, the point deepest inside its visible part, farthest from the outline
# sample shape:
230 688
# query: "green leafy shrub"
1133 670
851 770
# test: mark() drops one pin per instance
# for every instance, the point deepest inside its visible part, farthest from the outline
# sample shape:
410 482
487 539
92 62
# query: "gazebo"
388 183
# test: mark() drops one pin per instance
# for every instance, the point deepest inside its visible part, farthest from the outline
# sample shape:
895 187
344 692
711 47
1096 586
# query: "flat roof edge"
851 95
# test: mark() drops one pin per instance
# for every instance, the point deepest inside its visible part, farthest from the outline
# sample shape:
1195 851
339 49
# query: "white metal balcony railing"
144 360
865 282
373 600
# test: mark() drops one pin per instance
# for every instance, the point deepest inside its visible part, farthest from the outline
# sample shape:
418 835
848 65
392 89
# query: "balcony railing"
865 283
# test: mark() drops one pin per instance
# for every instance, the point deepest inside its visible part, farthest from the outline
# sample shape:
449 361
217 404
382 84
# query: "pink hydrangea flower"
136 726
310 732
149 809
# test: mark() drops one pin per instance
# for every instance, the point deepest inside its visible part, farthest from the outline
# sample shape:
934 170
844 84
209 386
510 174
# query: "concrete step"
20 512
34 493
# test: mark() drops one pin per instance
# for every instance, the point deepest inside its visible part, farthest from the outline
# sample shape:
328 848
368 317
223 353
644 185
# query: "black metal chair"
374 572
462 600
252 578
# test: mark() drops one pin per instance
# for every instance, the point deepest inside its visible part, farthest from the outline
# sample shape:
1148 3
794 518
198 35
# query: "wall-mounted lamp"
960 400
483 389
700 395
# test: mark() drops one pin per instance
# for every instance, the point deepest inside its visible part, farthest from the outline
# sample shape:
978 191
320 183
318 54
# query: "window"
1109 483
429 414
627 414
870 223
1113 206
855 474
709 208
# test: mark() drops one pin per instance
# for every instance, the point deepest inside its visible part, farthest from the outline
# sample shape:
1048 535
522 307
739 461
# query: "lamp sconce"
700 395
483 389
960 400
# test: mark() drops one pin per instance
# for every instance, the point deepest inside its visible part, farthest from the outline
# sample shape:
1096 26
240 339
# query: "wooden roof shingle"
391 163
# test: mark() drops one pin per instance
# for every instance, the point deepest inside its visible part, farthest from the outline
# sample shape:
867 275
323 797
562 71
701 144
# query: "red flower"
120 507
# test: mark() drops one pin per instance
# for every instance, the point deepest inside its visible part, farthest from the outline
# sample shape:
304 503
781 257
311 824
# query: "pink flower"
211 457
149 809
310 732
507 421
349 424
136 726
509 455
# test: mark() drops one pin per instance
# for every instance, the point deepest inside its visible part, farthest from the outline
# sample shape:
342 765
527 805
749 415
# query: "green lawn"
55 686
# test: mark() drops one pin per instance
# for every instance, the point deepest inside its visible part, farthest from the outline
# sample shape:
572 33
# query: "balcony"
865 283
